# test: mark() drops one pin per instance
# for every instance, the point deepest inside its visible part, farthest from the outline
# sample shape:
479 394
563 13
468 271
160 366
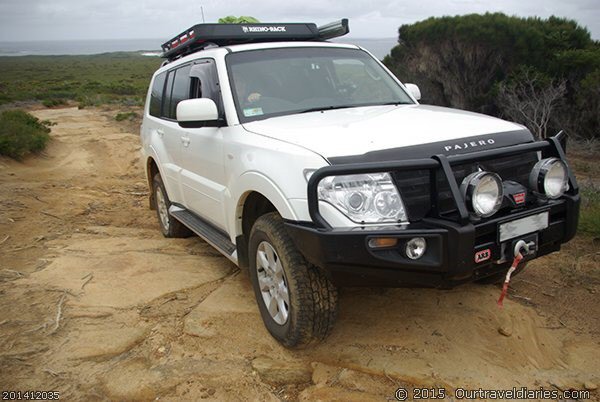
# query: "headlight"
364 198
483 193
549 176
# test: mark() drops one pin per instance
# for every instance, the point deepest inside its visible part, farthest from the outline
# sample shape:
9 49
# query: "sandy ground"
96 304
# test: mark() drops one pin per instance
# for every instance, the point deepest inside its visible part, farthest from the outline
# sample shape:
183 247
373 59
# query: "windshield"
275 82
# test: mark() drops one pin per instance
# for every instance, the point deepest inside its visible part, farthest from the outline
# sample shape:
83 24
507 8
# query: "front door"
203 172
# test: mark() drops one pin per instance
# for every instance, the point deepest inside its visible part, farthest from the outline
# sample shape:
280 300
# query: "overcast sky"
108 19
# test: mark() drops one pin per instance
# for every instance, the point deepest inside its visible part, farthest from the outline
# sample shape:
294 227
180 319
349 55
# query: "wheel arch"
256 188
258 197
151 171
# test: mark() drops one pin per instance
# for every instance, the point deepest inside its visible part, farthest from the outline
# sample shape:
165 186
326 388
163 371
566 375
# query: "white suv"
312 165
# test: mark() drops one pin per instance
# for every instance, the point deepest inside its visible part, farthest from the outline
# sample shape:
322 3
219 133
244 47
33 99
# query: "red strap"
512 269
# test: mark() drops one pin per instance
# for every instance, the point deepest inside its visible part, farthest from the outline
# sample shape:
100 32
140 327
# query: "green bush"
589 217
22 133
125 116
54 102
110 78
461 62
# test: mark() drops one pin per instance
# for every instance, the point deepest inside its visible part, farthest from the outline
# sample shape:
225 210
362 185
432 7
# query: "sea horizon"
380 47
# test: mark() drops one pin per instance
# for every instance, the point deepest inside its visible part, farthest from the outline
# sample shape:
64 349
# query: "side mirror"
195 112
414 91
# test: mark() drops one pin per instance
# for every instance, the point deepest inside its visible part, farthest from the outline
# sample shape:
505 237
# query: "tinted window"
167 96
157 94
181 89
275 82
205 83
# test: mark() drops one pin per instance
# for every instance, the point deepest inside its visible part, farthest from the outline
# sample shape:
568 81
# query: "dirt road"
96 304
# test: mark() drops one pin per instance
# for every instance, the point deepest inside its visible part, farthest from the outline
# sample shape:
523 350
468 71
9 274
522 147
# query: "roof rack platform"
201 35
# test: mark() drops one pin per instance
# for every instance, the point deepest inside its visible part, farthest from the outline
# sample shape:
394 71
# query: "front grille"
415 189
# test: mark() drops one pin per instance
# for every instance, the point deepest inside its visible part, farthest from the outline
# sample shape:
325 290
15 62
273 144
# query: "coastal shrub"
22 134
125 116
589 217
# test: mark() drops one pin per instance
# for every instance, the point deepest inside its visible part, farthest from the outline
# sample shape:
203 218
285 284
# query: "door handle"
185 141
160 132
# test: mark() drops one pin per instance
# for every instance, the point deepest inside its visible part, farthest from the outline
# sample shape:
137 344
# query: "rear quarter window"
156 94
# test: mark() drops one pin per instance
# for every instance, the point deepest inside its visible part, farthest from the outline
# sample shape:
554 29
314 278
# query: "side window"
156 94
164 112
181 89
196 91
205 82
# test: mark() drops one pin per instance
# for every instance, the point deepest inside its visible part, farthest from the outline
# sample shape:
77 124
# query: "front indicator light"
382 242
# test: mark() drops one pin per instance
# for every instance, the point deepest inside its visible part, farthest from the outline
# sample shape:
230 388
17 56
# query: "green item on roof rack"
230 19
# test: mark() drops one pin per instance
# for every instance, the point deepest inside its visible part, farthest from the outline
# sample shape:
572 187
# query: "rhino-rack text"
263 29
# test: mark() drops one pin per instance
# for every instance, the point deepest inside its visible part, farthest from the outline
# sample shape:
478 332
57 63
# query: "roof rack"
202 36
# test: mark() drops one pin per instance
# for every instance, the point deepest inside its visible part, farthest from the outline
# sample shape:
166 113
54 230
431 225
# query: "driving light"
483 193
549 176
364 198
415 248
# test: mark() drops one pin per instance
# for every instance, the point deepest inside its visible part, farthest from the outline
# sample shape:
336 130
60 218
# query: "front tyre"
169 226
297 302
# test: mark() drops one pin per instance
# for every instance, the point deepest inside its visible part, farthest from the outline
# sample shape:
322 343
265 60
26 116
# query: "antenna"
202 11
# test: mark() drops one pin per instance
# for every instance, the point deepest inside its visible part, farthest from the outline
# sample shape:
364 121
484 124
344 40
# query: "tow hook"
521 250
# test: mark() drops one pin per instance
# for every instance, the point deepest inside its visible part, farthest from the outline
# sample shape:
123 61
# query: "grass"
22 134
589 217
126 116
90 80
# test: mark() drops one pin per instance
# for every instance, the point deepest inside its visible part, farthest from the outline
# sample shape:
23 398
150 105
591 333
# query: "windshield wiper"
323 108
395 103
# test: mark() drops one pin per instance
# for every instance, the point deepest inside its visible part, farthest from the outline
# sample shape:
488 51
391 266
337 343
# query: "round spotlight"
415 248
483 193
549 176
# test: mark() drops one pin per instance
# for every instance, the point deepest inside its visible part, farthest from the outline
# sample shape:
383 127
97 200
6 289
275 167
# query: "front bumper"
451 248
452 243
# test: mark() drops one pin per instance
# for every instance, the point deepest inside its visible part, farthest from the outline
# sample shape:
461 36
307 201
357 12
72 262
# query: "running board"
206 231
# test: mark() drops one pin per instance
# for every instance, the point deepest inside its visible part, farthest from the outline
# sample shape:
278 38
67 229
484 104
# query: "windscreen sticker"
256 111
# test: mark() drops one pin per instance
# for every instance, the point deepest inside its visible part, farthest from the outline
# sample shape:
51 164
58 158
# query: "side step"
206 231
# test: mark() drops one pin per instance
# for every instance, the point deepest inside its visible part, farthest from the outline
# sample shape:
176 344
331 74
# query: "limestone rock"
279 372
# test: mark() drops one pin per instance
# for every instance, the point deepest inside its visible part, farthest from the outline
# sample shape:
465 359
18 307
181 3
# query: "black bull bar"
438 164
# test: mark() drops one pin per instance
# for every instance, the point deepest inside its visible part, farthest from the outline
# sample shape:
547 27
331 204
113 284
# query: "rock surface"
148 317
278 372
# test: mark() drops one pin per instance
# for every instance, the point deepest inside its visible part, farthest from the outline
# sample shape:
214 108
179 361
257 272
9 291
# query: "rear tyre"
297 302
169 226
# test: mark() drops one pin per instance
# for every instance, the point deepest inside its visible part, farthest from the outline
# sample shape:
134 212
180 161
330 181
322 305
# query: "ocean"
380 47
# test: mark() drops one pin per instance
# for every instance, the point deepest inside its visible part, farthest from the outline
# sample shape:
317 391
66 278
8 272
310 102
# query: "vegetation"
90 80
589 218
22 133
126 116
544 73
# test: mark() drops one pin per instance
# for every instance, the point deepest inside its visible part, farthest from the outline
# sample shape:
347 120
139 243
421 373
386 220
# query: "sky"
33 20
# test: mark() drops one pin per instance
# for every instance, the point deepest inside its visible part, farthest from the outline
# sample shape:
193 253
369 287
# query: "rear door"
176 89
158 132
